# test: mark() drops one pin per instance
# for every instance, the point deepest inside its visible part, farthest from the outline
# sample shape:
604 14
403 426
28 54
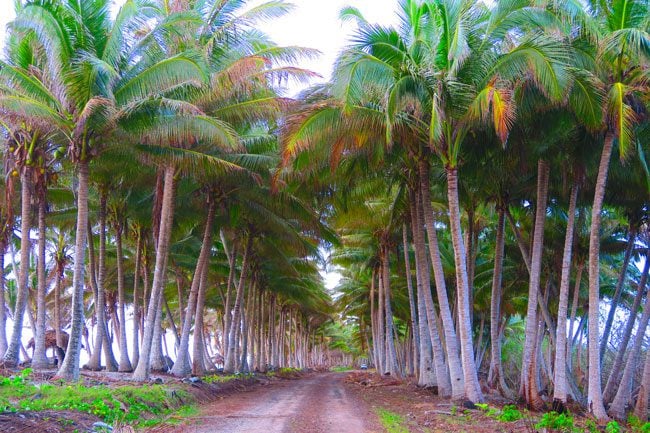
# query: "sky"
311 24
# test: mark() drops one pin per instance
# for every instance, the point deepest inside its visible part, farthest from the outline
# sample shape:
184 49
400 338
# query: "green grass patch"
133 405
220 378
392 422
340 368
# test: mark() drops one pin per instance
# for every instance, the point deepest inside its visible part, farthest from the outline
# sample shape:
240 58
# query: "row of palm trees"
438 133
144 147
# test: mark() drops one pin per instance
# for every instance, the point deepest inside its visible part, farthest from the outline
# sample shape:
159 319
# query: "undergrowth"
134 405
392 422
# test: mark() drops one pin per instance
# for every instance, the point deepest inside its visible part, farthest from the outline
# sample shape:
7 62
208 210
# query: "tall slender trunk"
525 254
472 387
615 374
136 305
427 371
142 371
231 359
451 340
381 324
495 375
182 365
198 362
528 389
373 320
39 360
442 375
595 395
641 407
624 392
101 338
227 313
125 362
560 381
414 317
617 295
3 304
69 369
392 366
574 309
11 355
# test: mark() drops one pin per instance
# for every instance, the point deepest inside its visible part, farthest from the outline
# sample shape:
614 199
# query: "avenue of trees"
478 172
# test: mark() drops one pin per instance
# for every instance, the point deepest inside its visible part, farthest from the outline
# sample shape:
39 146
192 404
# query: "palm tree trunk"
3 304
560 381
451 340
198 362
495 375
641 407
182 364
231 359
528 389
617 295
227 313
136 305
427 375
381 325
11 356
391 355
615 374
442 375
525 254
472 387
624 392
125 362
69 369
142 371
414 317
574 309
39 360
595 395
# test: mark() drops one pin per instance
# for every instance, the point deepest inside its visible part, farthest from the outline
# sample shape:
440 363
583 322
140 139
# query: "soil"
47 421
315 403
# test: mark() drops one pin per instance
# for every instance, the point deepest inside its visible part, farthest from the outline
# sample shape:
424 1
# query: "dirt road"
315 404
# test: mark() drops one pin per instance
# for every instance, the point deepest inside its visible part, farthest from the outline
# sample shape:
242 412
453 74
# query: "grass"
340 368
392 422
133 405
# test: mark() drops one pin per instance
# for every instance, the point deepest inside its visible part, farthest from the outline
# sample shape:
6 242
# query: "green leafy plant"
392 422
553 421
510 413
613 427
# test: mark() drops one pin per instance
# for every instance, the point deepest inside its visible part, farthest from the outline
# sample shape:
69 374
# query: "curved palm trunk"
495 375
373 320
39 360
125 362
560 381
231 359
615 375
595 395
182 364
617 295
528 388
69 369
472 387
414 315
392 366
12 354
451 340
142 371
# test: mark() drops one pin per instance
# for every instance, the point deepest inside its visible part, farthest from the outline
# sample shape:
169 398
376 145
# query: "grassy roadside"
391 421
118 404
